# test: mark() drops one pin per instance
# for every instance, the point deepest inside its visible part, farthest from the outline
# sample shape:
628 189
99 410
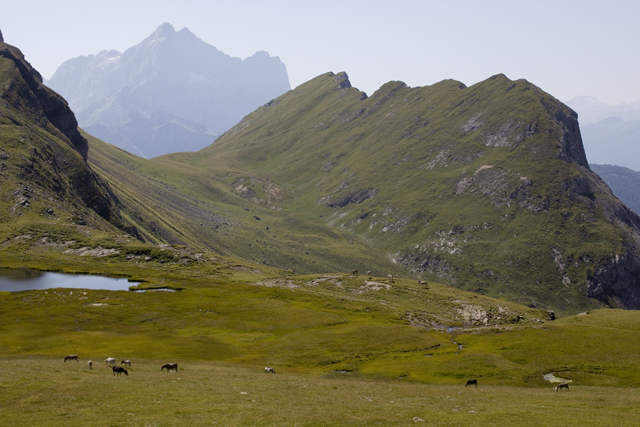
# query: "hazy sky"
566 47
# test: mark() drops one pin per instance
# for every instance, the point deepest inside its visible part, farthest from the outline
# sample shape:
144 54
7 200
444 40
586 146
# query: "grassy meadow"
348 350
45 391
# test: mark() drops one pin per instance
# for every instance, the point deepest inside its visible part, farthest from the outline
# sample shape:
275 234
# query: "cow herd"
111 362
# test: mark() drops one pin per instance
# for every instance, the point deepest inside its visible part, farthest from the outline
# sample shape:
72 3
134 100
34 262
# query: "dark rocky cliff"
52 152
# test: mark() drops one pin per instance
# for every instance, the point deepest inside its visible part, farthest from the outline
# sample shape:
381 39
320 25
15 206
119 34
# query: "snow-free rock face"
46 156
191 83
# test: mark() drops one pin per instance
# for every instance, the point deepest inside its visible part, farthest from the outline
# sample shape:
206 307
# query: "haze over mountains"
611 137
171 92
611 133
592 111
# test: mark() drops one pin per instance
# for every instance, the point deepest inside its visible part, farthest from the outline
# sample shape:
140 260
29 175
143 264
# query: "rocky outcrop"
45 161
356 197
55 108
343 80
615 281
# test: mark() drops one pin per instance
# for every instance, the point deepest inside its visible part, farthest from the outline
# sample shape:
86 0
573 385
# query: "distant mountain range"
171 92
611 133
613 141
591 111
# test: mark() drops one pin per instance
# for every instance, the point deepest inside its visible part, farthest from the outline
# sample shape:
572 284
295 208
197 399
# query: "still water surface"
15 280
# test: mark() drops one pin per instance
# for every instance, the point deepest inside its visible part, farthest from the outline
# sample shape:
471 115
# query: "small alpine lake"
24 279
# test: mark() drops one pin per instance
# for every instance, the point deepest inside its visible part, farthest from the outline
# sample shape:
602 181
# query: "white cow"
110 361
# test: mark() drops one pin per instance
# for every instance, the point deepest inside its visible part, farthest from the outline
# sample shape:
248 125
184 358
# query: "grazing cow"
72 357
170 367
422 282
562 386
472 382
90 364
126 362
110 361
119 370
354 273
390 277
269 370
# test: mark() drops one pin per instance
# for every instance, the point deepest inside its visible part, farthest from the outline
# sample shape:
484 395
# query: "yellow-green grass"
36 391
324 324
344 355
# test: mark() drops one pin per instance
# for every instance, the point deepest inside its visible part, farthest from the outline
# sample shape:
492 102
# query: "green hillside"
486 188
42 154
171 202
301 240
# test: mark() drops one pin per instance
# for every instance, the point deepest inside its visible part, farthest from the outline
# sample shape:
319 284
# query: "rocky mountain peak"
343 80
1 38
201 91
164 30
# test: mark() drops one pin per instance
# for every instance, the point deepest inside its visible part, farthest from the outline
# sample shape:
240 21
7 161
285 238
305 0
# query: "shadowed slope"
43 154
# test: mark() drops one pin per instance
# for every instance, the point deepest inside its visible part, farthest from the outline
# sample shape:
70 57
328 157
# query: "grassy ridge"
436 178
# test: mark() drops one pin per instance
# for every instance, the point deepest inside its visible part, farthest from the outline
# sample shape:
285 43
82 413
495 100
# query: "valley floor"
37 391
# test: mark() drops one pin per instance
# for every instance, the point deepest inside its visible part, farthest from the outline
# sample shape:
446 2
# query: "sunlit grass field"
46 391
348 350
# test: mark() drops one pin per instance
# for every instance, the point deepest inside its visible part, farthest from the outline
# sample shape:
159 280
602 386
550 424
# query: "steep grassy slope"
182 204
45 176
486 188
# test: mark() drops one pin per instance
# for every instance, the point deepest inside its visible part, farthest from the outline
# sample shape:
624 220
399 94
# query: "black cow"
170 367
120 370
